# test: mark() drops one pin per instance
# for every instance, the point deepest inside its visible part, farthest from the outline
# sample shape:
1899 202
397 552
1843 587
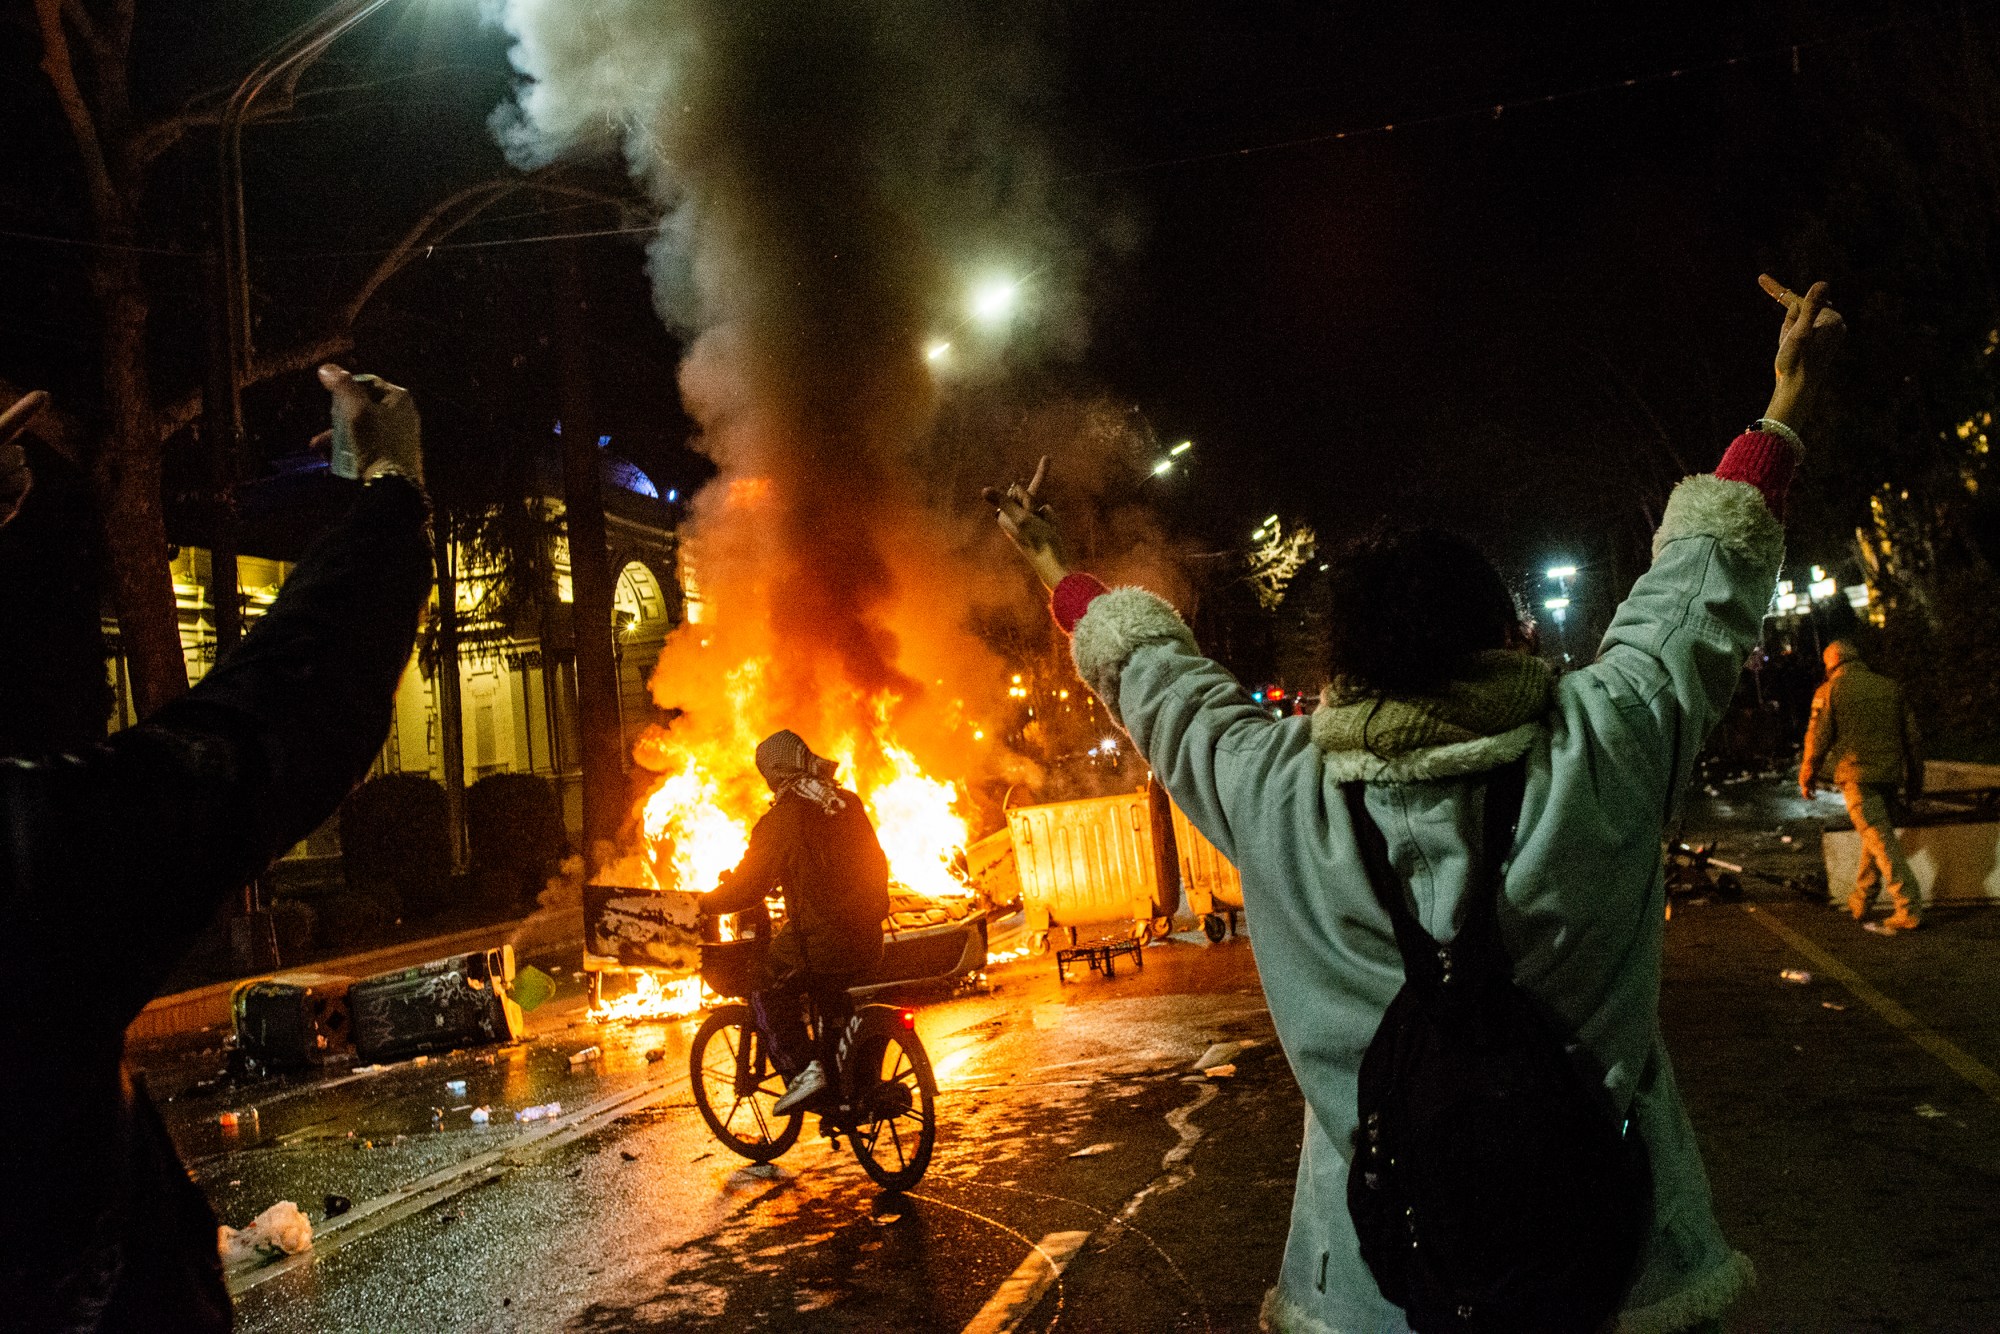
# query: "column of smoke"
833 176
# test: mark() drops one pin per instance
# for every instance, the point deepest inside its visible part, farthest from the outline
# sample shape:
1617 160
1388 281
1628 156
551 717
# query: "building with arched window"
516 672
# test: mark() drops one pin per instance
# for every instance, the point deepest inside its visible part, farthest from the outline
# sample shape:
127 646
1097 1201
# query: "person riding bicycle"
817 846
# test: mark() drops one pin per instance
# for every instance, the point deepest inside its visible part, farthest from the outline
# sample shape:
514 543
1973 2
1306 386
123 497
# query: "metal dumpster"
1214 889
1095 861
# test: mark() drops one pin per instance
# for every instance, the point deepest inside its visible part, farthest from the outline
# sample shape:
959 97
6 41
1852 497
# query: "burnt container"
457 1001
293 1021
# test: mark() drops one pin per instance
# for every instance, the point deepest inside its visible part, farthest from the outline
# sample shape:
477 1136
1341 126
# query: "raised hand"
1031 524
375 427
1812 329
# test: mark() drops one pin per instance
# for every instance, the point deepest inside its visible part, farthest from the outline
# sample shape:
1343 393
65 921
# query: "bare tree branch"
468 204
60 67
300 357
86 27
448 216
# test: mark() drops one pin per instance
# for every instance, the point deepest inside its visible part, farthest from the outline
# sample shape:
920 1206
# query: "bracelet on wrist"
1772 426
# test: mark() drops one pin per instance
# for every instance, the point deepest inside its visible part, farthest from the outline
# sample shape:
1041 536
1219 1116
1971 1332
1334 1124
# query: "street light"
303 46
1166 463
231 354
993 300
233 350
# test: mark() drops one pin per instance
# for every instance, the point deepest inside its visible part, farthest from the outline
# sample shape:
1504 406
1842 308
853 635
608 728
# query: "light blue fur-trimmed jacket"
1584 897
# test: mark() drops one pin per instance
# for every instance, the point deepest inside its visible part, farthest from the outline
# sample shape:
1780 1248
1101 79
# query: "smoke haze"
835 178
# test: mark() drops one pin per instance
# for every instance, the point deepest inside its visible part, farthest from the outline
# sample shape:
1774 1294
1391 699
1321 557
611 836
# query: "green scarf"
1500 691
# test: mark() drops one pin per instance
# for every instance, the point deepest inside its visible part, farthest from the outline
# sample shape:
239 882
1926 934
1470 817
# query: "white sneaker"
803 1086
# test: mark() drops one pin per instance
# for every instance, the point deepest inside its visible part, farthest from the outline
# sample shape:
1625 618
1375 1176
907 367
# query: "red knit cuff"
1072 599
1763 460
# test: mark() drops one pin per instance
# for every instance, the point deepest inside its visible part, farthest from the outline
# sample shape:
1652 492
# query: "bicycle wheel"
736 1086
894 1095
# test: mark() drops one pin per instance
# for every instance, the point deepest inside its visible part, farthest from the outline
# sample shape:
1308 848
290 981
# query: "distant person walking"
1863 740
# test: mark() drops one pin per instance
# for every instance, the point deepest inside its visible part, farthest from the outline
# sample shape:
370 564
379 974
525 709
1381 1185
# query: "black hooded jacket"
113 857
834 876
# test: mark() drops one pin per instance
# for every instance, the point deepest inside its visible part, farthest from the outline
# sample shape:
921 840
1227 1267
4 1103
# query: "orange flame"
696 821
651 998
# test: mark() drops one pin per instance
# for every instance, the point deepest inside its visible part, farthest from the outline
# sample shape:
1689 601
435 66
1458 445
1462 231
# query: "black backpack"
1492 1186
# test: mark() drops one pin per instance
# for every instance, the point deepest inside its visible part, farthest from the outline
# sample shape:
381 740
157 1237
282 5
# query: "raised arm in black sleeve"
123 851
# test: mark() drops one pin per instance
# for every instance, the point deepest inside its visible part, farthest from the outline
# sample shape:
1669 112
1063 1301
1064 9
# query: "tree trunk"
126 479
451 707
601 747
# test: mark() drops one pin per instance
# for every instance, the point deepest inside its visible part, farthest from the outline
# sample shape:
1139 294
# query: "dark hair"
1410 607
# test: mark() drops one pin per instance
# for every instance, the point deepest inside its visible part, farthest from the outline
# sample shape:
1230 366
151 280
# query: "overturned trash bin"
293 1021
457 1001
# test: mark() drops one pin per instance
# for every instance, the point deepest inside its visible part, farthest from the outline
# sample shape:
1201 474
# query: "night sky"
1523 324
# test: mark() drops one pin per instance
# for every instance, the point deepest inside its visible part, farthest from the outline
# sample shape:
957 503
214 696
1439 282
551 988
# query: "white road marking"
1018 1294
1957 1059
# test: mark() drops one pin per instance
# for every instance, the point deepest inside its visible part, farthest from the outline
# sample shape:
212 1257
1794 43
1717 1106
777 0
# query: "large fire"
694 825
696 822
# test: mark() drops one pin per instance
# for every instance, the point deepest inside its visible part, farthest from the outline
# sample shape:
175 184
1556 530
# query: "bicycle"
881 1093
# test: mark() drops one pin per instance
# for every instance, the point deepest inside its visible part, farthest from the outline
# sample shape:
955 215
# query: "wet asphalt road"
649 1224
1855 1165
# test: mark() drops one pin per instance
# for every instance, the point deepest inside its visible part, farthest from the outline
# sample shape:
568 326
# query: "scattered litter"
1798 976
538 1113
279 1231
628 1155
1221 1071
421 1061
1220 1053
588 1054
1093 1150
369 1069
1831 1005
883 1220
1928 1112
437 1115
464 1106
455 1087
243 1119
656 1055
1784 838
336 1205
481 1115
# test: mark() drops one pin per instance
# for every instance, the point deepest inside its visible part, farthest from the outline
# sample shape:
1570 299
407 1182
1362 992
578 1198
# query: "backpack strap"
1427 965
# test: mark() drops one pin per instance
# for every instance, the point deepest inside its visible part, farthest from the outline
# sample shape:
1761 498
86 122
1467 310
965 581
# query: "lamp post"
232 348
233 342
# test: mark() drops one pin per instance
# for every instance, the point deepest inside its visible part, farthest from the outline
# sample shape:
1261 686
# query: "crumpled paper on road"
279 1231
